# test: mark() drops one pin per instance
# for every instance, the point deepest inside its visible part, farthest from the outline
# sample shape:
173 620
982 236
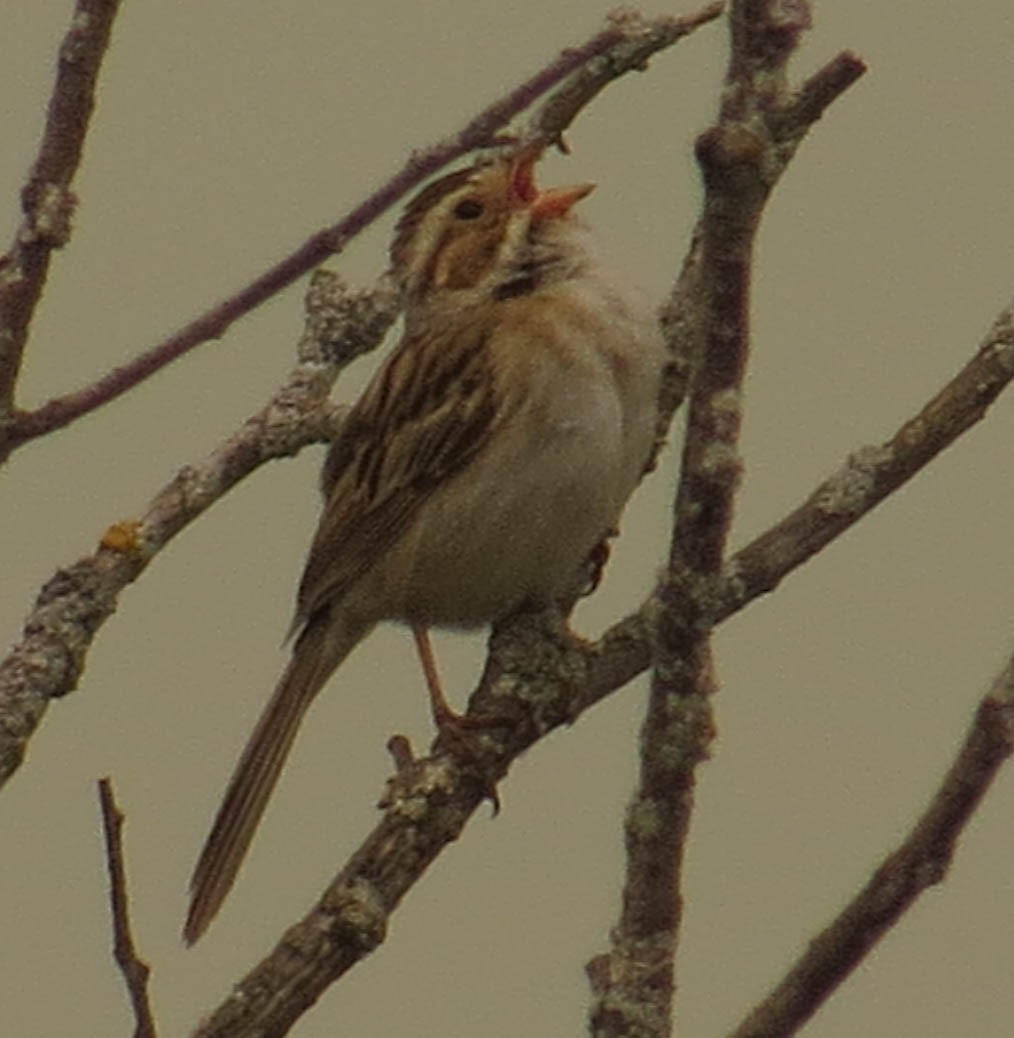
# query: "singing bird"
484 463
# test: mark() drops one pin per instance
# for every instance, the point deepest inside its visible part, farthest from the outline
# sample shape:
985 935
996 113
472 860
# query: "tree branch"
741 158
623 45
872 473
134 969
921 861
574 675
540 678
76 601
46 198
533 666
602 667
867 477
641 38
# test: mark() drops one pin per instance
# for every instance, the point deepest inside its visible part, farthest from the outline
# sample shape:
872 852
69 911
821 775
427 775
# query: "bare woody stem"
530 680
741 157
868 476
135 971
46 198
548 698
873 473
921 861
569 680
624 45
429 801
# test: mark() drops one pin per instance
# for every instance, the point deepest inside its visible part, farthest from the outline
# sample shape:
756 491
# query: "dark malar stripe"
522 285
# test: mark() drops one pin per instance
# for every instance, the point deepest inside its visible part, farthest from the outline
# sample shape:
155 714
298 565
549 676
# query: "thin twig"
642 37
46 198
824 87
625 650
921 861
134 969
741 157
623 653
480 132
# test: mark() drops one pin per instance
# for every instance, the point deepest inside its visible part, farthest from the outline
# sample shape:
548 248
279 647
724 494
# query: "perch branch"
46 199
134 969
568 667
542 678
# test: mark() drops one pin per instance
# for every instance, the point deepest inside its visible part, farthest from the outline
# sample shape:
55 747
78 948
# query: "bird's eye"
469 209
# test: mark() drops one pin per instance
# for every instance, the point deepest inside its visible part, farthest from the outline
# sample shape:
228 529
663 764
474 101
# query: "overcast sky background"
225 133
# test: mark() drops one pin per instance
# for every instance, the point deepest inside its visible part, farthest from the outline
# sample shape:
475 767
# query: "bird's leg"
443 715
453 728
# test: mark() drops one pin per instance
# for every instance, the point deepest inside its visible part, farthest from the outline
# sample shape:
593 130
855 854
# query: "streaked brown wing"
424 415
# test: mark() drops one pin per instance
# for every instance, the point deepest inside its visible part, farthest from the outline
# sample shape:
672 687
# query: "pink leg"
442 712
453 728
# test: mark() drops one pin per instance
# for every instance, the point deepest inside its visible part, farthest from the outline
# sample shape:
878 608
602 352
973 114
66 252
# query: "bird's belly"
519 531
518 522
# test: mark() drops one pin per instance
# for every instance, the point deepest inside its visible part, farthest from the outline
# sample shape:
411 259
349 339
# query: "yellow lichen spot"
124 537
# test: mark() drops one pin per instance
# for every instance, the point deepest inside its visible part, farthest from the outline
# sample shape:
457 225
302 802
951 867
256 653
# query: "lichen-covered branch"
533 677
872 473
76 601
741 157
921 861
539 677
73 605
867 477
534 665
46 199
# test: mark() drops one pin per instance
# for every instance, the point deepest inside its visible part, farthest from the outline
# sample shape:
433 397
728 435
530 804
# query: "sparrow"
483 464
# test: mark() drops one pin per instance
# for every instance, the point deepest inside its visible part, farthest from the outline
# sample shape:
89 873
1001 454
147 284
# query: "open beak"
557 201
544 205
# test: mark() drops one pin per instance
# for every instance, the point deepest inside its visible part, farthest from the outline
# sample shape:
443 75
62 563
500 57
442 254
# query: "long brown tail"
322 645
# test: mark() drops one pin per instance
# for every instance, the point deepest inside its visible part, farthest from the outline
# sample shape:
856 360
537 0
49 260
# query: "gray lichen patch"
847 492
